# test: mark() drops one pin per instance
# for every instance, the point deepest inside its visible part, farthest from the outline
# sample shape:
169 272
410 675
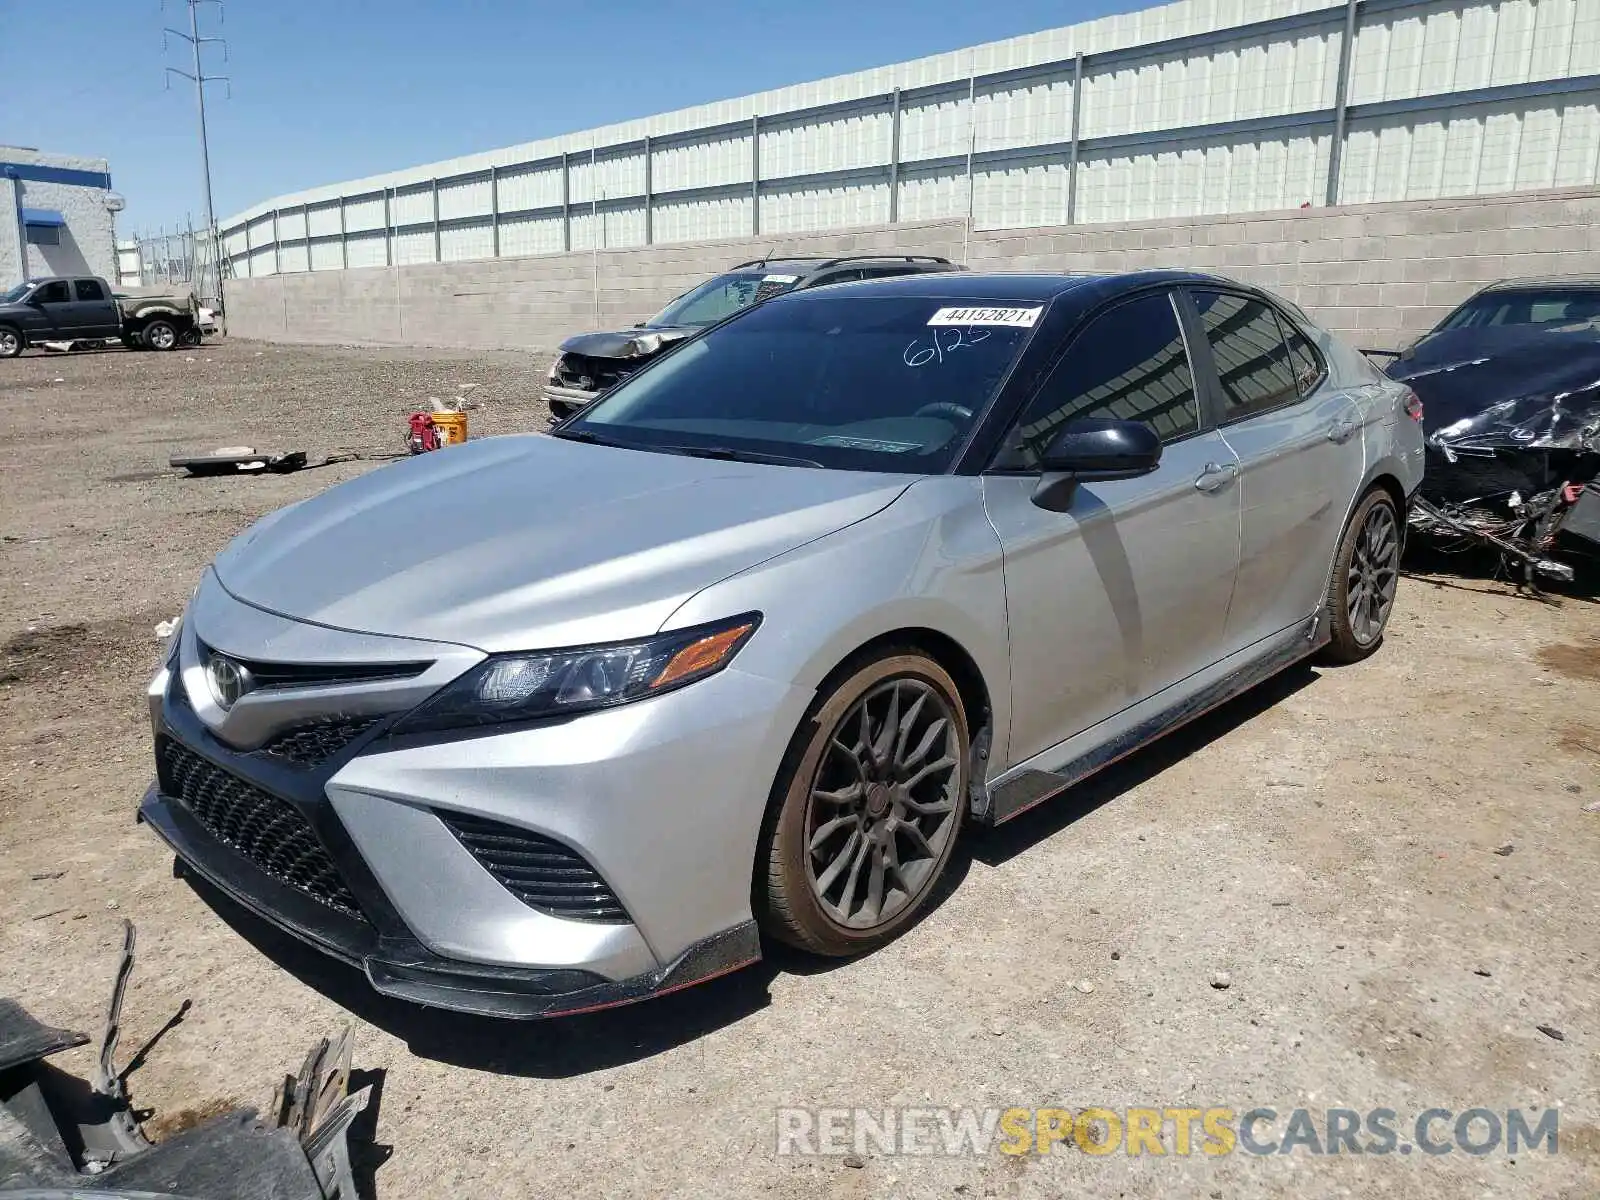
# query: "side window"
850 275
1305 358
90 289
1252 360
1129 364
53 293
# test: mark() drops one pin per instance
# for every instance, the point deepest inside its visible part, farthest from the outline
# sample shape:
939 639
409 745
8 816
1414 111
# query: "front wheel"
10 342
868 809
161 335
1366 574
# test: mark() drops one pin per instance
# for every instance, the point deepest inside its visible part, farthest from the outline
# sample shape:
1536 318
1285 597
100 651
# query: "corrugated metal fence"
1200 107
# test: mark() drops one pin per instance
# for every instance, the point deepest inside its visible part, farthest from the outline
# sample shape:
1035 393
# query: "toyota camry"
744 649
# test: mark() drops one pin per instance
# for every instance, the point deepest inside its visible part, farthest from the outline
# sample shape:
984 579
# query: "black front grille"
265 675
314 742
600 373
541 872
268 831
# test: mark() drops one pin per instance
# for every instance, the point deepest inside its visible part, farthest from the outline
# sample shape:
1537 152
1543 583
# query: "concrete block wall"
1378 274
523 303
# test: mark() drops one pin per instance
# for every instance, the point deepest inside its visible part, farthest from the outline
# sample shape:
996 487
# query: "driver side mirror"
1094 450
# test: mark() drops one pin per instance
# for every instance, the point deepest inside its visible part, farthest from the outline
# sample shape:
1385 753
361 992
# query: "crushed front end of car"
591 364
1512 418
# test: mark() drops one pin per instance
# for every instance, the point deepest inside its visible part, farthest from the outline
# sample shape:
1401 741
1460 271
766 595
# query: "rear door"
1127 592
93 313
1300 457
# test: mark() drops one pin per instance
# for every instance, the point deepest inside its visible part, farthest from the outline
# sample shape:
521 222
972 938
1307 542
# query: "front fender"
930 560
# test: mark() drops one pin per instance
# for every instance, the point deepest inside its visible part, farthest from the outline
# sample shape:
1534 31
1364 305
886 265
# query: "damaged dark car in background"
591 364
1510 385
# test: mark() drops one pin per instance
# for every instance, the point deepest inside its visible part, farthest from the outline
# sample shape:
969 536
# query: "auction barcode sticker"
1013 318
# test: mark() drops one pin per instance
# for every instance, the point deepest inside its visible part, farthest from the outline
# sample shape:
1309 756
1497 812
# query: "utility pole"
199 78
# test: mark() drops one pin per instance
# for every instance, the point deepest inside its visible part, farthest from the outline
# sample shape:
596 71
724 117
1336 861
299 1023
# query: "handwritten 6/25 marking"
945 341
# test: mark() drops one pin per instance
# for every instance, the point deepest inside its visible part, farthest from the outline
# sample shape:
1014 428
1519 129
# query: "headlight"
647 344
521 687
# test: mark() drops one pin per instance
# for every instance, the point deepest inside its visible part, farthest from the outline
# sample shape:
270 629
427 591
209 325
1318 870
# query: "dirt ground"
1392 863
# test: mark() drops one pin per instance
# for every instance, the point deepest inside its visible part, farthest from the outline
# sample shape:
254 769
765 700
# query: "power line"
199 78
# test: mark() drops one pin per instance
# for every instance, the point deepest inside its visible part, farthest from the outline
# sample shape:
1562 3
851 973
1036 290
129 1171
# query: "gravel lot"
1335 842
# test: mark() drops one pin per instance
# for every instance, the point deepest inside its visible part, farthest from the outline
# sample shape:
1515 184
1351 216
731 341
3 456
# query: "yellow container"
452 427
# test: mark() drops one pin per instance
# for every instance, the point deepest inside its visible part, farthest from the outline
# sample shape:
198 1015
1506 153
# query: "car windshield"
1544 306
15 294
724 296
853 381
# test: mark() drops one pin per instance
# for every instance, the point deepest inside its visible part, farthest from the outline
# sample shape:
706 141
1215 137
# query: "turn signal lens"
700 657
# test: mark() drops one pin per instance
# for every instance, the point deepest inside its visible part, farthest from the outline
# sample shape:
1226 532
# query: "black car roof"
1553 283
969 285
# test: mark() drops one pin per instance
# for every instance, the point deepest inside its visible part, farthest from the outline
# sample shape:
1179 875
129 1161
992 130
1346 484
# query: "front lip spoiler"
407 970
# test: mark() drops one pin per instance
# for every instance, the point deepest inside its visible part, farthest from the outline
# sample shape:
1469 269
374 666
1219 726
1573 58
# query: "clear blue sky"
325 90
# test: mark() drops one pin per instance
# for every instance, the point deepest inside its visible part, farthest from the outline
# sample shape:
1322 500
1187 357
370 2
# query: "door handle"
1342 430
1214 478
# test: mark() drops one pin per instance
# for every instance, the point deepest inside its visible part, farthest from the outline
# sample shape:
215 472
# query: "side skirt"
1033 785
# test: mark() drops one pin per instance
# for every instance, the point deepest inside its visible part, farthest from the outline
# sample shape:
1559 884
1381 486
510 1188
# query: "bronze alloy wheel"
871 808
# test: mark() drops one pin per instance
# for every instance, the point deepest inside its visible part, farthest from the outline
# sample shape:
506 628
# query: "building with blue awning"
57 216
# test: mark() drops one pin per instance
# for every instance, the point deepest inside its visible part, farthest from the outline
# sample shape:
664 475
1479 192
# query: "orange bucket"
452 427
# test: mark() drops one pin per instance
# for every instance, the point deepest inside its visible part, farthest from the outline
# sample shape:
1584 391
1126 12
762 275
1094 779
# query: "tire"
190 337
844 897
1366 575
160 335
10 342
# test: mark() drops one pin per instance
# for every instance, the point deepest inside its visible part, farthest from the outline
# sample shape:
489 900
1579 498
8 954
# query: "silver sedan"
544 723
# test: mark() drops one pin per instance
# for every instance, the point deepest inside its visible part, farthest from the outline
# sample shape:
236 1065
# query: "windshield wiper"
728 453
591 438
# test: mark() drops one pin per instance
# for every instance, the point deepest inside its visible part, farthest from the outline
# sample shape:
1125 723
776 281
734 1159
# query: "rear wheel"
10 342
868 808
1366 574
161 335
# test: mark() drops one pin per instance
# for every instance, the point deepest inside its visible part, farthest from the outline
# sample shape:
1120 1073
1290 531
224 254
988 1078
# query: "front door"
1127 592
1300 456
47 307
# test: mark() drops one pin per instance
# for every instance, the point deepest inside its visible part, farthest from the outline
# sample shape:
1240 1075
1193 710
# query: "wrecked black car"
591 363
1510 385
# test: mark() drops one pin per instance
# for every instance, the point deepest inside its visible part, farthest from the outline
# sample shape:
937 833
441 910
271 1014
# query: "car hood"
530 541
625 343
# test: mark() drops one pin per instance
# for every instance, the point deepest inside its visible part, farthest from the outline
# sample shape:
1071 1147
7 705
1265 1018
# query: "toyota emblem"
229 680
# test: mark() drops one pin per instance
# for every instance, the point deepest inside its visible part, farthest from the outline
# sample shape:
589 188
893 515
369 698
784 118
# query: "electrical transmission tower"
212 263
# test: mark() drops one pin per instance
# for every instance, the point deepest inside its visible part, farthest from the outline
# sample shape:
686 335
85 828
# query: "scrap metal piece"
25 1039
119 1135
96 1149
243 462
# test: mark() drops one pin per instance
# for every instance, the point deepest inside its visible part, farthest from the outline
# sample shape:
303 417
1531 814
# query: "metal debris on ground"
63 1138
233 460
1512 418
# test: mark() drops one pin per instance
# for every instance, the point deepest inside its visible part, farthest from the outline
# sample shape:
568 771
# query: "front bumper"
662 799
400 966
564 401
